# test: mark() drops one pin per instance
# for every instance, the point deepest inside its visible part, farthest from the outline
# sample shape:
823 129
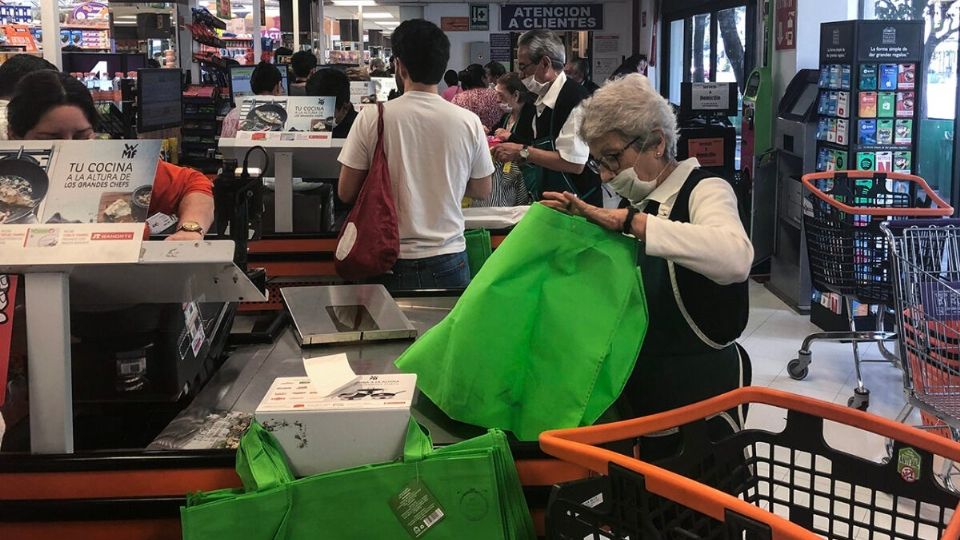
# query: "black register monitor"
800 98
159 94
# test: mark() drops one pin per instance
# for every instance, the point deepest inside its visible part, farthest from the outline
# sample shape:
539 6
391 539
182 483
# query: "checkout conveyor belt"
224 406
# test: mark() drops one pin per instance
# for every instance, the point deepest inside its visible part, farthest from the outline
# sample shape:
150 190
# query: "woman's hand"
507 152
568 203
503 134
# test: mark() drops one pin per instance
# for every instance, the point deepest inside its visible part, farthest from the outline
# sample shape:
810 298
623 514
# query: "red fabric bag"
369 242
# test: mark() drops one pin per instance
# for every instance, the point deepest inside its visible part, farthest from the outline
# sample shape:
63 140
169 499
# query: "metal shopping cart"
754 484
849 253
926 268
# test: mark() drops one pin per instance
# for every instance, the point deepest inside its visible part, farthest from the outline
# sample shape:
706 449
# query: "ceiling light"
354 3
376 15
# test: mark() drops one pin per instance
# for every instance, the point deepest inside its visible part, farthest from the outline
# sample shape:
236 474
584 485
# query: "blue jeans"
440 272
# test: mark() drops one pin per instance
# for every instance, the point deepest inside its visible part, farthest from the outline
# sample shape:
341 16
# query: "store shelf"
210 42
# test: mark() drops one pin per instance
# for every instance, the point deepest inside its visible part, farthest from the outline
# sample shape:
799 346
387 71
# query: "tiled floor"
772 338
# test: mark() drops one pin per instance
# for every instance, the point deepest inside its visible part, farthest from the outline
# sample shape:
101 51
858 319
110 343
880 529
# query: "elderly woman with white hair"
695 257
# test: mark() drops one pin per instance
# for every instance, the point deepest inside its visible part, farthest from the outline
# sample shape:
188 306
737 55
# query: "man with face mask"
557 154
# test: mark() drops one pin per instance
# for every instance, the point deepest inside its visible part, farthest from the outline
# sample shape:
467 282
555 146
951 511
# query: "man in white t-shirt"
436 152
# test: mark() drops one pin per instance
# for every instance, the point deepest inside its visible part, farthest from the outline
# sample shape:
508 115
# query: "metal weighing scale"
345 314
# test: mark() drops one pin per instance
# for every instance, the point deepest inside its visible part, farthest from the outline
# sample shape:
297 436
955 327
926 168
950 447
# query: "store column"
50 26
258 25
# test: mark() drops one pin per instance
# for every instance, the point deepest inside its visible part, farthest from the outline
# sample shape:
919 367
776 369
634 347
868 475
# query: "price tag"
416 508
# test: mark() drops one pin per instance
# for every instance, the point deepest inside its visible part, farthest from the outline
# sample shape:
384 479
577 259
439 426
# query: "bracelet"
628 223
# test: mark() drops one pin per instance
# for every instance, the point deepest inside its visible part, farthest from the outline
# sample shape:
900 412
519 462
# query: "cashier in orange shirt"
48 105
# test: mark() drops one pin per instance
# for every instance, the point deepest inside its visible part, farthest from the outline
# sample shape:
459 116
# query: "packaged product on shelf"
866 161
831 160
907 76
905 104
843 104
842 130
884 161
902 161
884 131
834 76
886 104
903 133
868 132
822 159
831 130
824 76
845 77
840 159
868 104
868 76
823 128
889 75
823 104
834 101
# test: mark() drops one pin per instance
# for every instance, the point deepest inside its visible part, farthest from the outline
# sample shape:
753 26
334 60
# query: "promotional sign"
709 152
606 44
455 24
74 202
710 97
362 92
786 29
884 41
521 17
480 17
287 114
8 300
836 43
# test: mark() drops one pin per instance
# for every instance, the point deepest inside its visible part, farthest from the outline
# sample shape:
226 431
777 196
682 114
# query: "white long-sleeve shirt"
713 244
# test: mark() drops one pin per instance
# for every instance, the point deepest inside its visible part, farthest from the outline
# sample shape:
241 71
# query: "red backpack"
369 241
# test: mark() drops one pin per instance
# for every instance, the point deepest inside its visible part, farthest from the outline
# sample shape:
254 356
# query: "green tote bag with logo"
469 490
545 336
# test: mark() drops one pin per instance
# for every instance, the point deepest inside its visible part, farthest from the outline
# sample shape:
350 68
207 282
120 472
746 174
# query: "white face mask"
505 107
534 85
626 175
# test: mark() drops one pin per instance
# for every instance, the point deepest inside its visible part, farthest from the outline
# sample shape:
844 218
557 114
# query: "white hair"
630 107
542 43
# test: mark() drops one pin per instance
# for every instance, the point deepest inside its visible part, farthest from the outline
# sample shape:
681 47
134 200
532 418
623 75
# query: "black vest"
551 121
699 295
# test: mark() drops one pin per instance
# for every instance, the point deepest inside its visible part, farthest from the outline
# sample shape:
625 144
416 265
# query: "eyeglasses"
611 162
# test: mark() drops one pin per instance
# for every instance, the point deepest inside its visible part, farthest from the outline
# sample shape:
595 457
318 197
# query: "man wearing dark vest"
556 159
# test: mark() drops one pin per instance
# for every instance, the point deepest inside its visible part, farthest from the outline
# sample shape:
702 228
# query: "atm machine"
796 144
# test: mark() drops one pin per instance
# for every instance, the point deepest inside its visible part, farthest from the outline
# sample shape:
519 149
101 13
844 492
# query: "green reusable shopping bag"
261 464
478 249
469 490
545 336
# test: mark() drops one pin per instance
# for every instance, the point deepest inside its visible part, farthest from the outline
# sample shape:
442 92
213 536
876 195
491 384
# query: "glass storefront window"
700 48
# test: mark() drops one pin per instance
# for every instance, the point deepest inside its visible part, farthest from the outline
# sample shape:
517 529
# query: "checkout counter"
796 144
134 490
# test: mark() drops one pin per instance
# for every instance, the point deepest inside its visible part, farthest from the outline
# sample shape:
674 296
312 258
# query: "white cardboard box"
360 424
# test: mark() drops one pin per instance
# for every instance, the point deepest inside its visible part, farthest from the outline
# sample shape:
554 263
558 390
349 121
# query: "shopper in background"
436 155
48 105
577 70
334 83
452 80
635 64
11 71
476 97
695 256
264 81
378 68
557 151
509 188
494 70
302 63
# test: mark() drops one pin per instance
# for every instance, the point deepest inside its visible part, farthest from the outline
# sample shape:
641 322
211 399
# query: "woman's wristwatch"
628 222
524 154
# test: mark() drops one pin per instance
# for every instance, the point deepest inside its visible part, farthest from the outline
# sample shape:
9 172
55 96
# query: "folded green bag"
545 336
469 490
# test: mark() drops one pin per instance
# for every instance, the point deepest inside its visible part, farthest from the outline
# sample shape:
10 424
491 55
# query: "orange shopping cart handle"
943 208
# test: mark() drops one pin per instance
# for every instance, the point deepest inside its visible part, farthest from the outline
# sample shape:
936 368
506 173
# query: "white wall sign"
606 44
